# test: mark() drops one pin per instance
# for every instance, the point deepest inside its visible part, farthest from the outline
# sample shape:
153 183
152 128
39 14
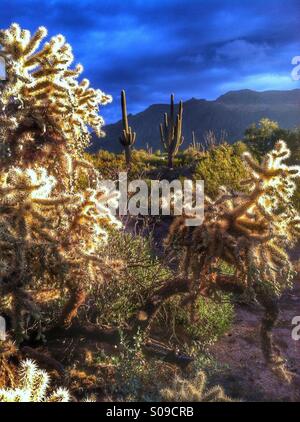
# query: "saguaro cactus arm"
178 138
127 137
171 131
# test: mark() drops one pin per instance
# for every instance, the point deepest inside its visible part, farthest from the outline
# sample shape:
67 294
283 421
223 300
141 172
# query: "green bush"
261 137
117 299
110 164
136 378
221 166
212 319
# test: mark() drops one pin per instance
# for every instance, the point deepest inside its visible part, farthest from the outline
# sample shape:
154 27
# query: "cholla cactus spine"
250 231
33 386
44 84
50 230
194 391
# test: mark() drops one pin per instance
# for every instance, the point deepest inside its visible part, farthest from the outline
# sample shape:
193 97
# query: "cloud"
193 59
262 82
151 48
243 51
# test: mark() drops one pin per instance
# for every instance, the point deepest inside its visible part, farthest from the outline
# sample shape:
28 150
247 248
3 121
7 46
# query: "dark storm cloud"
195 48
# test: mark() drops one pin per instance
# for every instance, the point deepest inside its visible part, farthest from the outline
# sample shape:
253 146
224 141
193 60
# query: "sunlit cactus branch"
51 228
250 231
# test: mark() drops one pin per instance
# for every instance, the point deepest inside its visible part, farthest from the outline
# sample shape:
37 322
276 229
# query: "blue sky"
194 48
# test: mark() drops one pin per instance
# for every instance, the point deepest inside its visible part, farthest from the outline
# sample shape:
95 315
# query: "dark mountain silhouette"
231 113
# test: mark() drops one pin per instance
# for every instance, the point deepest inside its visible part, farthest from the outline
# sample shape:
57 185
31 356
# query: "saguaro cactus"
127 138
171 131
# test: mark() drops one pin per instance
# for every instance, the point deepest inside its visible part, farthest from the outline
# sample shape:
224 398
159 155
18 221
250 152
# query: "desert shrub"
136 378
261 137
239 148
110 164
124 292
140 379
153 159
189 157
221 166
211 319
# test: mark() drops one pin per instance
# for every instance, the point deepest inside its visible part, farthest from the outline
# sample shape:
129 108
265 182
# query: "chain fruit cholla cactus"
171 131
46 87
250 231
194 391
33 386
50 229
128 137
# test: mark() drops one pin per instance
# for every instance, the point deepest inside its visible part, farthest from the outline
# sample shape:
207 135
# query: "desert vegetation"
119 308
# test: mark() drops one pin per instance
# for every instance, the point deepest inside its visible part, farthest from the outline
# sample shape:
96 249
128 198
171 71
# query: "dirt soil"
246 374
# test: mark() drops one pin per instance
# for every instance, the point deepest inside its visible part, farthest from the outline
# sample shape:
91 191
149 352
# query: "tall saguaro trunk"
171 132
127 151
128 137
170 160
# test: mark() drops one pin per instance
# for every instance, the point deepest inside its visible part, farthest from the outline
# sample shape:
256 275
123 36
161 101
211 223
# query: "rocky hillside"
232 113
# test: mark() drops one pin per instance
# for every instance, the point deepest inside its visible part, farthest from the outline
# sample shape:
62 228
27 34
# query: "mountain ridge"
231 113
